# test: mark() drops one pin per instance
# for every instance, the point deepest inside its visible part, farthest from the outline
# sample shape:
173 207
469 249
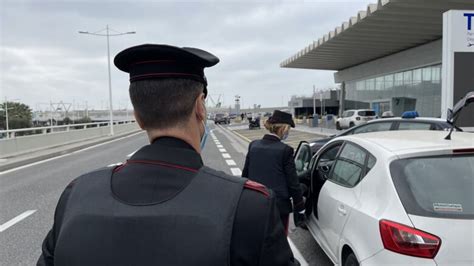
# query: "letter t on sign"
469 21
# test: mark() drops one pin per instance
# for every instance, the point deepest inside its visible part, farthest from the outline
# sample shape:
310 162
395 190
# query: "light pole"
314 101
6 114
108 34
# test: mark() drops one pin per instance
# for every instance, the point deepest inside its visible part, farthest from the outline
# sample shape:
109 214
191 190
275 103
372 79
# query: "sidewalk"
31 157
317 130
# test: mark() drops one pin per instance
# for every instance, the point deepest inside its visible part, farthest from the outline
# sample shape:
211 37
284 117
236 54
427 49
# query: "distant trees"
19 115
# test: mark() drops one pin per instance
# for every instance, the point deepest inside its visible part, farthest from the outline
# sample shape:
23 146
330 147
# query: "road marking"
297 253
64 155
222 150
236 171
220 146
241 136
15 220
226 155
230 162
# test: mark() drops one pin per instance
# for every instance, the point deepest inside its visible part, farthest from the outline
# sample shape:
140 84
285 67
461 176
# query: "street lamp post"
6 114
108 34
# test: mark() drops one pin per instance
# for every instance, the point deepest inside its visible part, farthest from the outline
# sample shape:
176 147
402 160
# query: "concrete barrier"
16 146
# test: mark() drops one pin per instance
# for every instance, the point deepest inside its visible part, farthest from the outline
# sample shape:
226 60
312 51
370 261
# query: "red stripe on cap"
163 164
257 187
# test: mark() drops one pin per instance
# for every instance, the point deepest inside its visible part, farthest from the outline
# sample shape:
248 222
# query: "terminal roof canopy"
385 28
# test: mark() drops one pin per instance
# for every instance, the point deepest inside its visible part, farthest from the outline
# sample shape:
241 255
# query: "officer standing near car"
163 206
270 161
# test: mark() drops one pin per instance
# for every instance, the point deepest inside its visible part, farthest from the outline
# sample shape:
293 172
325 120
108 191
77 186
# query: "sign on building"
458 62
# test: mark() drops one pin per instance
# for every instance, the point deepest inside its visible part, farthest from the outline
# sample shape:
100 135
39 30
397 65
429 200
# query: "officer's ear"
138 119
200 107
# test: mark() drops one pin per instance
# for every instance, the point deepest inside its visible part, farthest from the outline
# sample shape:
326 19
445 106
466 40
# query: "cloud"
43 58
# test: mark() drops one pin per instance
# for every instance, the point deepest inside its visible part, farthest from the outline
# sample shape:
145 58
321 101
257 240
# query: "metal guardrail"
12 133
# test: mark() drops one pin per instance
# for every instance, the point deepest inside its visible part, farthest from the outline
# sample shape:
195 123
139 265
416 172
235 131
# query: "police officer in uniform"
163 206
270 162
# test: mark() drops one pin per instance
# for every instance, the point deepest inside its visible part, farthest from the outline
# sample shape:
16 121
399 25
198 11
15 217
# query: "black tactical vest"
193 228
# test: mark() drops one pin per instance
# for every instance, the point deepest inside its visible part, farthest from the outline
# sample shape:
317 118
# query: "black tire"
338 126
351 124
351 260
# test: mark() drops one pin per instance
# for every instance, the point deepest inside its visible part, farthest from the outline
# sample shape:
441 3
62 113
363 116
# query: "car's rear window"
366 113
436 186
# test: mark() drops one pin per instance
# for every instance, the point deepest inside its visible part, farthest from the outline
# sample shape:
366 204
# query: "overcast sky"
43 58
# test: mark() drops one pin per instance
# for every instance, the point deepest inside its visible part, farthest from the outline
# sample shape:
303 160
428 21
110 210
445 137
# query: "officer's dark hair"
164 103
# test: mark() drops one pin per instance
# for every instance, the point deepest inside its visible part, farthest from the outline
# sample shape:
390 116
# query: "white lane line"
230 162
64 155
222 150
236 171
217 143
226 156
220 146
297 253
15 220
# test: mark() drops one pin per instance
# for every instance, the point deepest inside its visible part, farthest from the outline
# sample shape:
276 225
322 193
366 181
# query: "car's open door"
302 159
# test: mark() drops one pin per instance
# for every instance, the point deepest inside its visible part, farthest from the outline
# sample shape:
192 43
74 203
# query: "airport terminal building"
388 58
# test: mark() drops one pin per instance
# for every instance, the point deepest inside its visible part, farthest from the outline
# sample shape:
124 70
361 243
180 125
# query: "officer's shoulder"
249 185
257 188
288 148
103 172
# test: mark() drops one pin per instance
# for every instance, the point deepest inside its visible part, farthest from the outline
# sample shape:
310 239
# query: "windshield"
366 113
436 186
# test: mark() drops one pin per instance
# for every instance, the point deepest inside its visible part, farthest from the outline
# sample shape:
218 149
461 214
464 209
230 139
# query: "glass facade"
416 89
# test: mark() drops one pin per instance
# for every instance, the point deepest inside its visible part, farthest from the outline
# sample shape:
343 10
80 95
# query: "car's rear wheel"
351 260
338 126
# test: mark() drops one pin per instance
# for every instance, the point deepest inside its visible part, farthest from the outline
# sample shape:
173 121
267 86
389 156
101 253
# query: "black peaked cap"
152 61
280 117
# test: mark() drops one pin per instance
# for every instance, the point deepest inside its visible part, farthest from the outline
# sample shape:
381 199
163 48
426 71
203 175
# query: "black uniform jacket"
257 237
270 162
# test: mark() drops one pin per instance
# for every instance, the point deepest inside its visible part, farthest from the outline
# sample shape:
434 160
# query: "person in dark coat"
163 206
270 162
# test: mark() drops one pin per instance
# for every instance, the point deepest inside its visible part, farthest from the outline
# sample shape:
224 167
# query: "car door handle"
341 210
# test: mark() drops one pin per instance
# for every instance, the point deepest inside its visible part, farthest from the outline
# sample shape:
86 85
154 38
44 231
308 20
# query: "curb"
240 135
59 153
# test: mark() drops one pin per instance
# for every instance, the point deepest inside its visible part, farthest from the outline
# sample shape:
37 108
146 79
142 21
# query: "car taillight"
357 118
408 240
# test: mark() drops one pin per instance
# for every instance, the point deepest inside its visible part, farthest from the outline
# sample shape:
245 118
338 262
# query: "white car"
376 200
351 118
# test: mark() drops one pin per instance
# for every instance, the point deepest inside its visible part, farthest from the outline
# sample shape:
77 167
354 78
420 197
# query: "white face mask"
285 135
206 131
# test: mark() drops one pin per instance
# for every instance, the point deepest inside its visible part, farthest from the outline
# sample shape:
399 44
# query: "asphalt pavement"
28 194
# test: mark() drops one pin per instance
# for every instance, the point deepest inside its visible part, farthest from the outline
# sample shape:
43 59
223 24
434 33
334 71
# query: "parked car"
351 118
233 116
221 118
386 124
376 200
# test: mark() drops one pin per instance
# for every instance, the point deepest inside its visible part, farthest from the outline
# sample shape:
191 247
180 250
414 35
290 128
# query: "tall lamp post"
108 34
5 107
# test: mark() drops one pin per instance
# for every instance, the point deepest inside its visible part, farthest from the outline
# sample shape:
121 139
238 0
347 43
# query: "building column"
342 98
